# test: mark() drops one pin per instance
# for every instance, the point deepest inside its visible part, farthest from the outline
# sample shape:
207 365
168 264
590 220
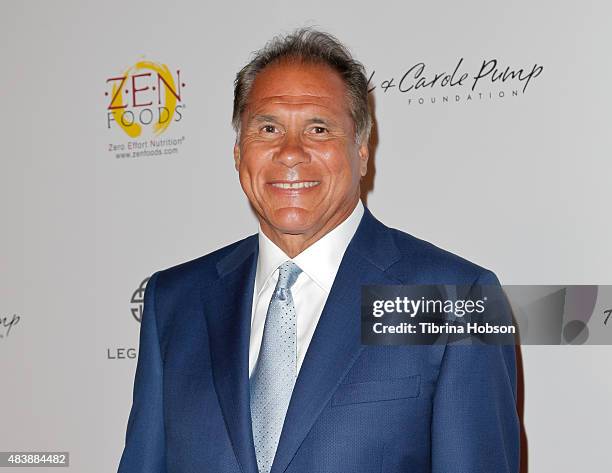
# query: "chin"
292 220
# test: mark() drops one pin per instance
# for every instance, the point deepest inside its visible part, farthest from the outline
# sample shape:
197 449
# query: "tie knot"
288 273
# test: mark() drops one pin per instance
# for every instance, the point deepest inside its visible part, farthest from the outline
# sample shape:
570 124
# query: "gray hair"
317 47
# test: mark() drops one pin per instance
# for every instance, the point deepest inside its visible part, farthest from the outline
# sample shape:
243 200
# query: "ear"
237 156
364 155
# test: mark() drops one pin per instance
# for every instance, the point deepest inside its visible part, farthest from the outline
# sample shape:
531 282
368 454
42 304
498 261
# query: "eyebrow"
264 118
260 118
320 120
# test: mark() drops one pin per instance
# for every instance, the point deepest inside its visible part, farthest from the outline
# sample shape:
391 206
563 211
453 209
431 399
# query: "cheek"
251 176
255 158
245 177
344 172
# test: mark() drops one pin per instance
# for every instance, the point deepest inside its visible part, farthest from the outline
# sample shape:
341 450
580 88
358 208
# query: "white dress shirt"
319 263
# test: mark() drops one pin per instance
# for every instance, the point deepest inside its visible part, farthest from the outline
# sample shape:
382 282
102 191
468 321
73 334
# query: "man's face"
297 158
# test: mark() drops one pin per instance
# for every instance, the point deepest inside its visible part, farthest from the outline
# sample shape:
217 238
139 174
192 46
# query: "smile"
295 185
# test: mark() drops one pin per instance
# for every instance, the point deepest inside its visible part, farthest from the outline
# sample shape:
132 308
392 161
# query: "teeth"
295 185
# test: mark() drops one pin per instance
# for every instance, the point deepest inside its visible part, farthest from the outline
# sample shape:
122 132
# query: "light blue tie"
274 375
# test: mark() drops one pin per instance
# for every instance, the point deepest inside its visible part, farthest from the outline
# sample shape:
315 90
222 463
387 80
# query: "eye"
268 128
319 130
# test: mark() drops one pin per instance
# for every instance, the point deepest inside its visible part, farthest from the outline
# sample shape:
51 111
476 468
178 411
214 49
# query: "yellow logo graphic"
137 100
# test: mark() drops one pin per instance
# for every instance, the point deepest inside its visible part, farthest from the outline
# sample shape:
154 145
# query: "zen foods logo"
142 103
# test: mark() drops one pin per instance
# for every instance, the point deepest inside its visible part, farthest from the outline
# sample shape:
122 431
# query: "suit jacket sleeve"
144 449
475 426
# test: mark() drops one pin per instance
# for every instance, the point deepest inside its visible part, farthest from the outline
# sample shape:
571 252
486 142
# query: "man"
250 357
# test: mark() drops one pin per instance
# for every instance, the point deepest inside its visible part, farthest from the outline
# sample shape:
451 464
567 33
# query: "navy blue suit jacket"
354 409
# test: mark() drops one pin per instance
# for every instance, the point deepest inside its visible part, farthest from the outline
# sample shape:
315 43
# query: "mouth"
295 185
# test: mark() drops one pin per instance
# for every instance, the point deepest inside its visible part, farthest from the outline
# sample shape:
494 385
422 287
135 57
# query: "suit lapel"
336 342
335 345
227 306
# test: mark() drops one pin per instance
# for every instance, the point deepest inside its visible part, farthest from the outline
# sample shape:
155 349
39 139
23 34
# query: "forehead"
298 85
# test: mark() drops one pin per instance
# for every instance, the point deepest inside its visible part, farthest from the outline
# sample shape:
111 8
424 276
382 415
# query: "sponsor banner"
463 82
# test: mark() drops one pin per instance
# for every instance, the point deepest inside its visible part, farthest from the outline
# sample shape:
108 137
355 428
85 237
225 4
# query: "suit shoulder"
202 268
435 264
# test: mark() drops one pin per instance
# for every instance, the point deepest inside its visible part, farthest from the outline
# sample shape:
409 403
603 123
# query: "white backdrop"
519 184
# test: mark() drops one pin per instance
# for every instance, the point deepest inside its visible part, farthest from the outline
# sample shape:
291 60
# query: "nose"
292 152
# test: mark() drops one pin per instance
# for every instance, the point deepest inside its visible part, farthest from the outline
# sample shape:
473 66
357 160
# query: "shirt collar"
320 261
